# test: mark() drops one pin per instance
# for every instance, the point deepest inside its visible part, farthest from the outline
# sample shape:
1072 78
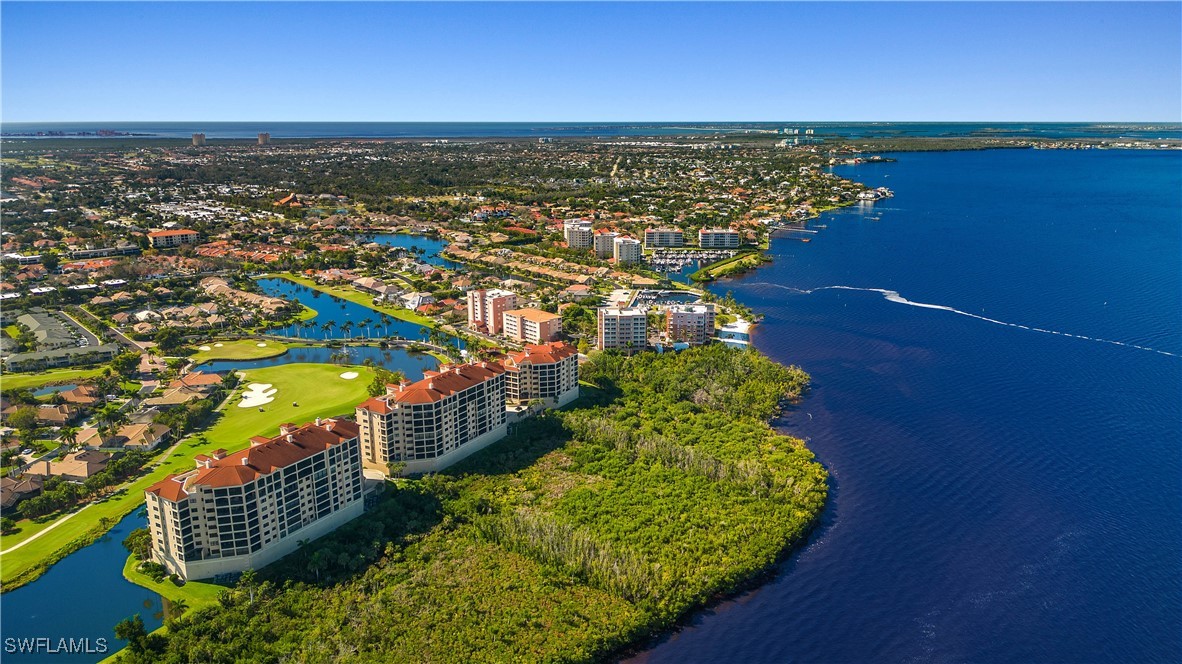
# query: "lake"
1001 491
412 365
427 248
338 312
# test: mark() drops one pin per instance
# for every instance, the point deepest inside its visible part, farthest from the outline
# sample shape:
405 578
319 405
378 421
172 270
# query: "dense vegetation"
585 532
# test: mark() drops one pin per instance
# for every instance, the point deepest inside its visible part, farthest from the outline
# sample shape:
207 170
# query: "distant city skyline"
590 62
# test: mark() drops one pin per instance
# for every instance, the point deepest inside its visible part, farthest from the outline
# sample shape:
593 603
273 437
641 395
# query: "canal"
81 597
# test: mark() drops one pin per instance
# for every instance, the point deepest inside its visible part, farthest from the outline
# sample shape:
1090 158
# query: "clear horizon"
527 62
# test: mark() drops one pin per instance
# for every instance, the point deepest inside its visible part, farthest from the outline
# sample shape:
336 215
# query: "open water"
997 393
279 130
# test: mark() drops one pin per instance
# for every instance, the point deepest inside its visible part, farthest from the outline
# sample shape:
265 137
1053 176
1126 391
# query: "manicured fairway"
12 381
238 349
317 388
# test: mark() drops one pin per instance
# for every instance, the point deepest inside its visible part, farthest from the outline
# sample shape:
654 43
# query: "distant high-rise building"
264 138
486 309
690 323
718 238
663 237
578 234
531 325
198 140
623 329
627 250
604 244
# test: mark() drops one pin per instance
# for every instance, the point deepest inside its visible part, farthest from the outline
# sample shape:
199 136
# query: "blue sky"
590 62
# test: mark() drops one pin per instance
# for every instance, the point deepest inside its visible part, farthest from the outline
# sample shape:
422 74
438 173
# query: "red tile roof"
179 231
436 385
261 458
548 353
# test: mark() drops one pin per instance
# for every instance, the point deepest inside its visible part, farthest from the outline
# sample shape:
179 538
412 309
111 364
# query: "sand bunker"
261 344
350 375
257 394
204 348
218 345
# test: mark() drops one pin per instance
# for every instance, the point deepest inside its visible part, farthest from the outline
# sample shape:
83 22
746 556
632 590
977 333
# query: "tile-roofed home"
59 415
196 379
14 490
83 395
143 436
75 467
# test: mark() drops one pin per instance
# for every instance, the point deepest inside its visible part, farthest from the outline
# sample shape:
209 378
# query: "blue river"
1000 493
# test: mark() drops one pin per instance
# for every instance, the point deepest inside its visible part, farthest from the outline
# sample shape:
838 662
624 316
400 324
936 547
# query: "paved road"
122 338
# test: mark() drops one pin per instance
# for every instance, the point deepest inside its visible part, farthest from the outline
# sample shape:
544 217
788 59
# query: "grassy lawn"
308 313
12 381
194 593
357 297
239 349
12 331
319 390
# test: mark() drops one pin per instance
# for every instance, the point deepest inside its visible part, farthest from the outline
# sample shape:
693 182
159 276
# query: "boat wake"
894 296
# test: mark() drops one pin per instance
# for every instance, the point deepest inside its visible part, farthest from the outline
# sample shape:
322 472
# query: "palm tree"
386 324
366 322
70 437
346 328
247 580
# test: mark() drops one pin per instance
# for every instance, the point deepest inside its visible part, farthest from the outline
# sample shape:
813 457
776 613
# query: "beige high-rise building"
433 423
604 244
532 325
622 328
578 234
198 140
718 238
627 250
264 138
549 372
663 237
248 509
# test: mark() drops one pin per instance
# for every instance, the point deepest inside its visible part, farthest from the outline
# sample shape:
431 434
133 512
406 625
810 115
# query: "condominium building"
248 509
435 422
264 138
622 328
172 238
578 234
690 323
532 325
486 309
198 140
718 238
663 237
627 250
549 372
604 244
